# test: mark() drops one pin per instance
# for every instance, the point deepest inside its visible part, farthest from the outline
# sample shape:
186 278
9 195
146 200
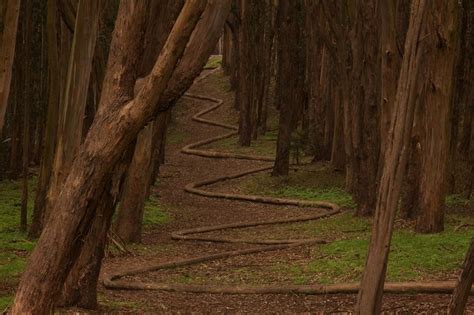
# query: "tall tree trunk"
365 109
7 54
27 96
73 103
250 68
130 213
369 300
435 140
463 288
143 166
47 156
291 75
118 121
390 68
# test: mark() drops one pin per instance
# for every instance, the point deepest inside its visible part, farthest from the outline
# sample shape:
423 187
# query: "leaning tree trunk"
436 116
80 288
463 288
135 191
7 54
195 57
291 75
116 125
422 16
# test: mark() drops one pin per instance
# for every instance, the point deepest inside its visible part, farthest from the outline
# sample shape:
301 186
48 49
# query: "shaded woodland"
378 92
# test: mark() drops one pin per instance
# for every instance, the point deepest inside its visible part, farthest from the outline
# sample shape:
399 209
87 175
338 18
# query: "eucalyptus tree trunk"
291 72
7 54
52 116
80 288
250 68
423 14
73 103
463 288
143 166
119 119
436 116
365 94
27 88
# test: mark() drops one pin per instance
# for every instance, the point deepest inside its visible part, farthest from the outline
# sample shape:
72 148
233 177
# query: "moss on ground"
14 244
154 214
214 62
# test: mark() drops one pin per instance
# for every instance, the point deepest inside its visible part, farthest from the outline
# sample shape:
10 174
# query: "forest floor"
413 257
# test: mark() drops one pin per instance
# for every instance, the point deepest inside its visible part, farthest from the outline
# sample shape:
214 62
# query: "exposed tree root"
114 282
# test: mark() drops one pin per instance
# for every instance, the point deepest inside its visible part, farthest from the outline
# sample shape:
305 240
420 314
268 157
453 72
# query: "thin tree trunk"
460 295
51 120
7 54
369 300
27 29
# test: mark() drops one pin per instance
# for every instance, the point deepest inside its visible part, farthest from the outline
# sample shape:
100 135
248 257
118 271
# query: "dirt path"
190 211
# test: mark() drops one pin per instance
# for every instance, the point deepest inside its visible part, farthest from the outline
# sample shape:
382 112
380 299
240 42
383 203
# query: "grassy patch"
5 301
14 244
214 62
412 256
456 201
154 213
316 182
265 145
175 136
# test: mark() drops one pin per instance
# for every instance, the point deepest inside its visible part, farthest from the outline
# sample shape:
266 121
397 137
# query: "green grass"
412 256
154 213
175 136
265 145
316 182
213 62
457 200
14 244
5 301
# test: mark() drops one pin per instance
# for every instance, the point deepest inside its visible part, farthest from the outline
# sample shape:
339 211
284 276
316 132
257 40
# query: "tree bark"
435 124
365 93
47 156
250 68
7 54
117 124
27 84
144 167
369 300
73 103
466 279
291 72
